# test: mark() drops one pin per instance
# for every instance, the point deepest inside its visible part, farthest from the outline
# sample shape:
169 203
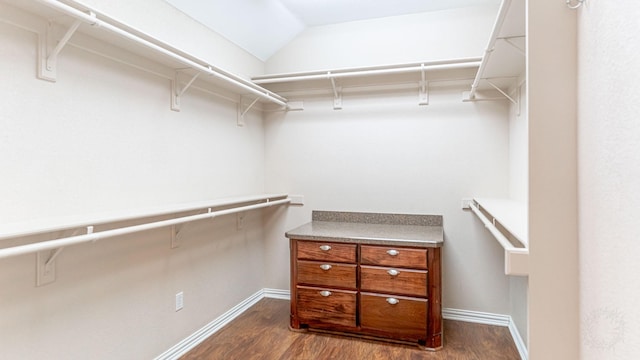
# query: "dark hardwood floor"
262 333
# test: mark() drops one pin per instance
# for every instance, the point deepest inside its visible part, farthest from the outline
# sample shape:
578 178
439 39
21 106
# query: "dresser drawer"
394 281
327 274
398 316
326 251
326 306
393 256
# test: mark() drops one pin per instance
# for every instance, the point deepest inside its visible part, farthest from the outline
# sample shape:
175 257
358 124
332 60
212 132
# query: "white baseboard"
489 319
520 345
450 314
211 328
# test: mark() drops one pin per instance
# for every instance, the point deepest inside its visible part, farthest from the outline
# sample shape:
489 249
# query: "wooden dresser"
371 275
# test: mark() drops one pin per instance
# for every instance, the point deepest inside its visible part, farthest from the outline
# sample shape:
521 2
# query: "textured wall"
609 130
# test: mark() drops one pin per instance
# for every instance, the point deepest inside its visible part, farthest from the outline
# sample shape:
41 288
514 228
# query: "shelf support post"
176 92
175 239
502 92
46 261
337 93
241 112
423 96
48 55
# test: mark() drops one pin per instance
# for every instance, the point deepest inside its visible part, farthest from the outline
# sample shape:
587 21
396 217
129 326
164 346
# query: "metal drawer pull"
325 267
393 252
392 301
393 272
325 293
325 247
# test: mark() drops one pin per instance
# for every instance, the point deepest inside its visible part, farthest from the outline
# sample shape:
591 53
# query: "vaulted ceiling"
262 27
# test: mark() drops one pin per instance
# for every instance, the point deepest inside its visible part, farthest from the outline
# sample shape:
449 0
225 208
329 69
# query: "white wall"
438 35
103 139
386 154
609 196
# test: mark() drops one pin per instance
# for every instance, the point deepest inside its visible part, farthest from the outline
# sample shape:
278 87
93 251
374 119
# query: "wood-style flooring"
262 332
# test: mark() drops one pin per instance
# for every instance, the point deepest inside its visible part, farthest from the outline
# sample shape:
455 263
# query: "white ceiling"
262 27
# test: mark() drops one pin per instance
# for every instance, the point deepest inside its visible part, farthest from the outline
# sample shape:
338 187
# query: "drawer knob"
325 293
325 247
325 267
393 252
393 272
392 301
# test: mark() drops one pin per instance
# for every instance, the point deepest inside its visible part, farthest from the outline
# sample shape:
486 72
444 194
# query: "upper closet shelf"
504 60
507 221
419 76
81 26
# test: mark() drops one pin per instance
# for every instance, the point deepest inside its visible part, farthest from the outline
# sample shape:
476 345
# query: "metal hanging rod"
94 236
368 71
207 69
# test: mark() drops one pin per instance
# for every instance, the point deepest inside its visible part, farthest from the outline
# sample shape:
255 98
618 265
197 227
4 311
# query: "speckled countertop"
372 228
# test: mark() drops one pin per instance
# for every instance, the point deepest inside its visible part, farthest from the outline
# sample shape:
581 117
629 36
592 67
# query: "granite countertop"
372 228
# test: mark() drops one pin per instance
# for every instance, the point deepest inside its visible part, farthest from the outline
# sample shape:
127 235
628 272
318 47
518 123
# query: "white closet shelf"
71 232
507 221
389 77
53 224
503 62
82 26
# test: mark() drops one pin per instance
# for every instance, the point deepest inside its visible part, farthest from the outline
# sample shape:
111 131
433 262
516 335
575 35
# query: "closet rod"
72 240
455 64
209 69
502 14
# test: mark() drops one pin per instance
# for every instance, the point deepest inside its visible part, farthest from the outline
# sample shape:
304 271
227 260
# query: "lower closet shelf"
506 220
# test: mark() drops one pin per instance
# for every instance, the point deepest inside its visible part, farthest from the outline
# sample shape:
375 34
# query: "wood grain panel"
406 282
335 252
406 320
338 308
327 274
383 255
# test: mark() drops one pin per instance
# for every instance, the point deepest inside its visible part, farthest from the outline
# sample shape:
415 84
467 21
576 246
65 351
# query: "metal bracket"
175 239
423 96
514 45
48 54
241 113
177 92
337 93
502 92
46 260
240 220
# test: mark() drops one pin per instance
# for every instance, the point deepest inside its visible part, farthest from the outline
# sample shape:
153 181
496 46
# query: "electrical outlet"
465 203
179 301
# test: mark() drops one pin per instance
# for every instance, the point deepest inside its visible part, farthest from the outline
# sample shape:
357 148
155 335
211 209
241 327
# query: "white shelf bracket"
242 113
514 45
177 92
175 238
48 54
337 93
46 260
502 92
423 96
240 220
